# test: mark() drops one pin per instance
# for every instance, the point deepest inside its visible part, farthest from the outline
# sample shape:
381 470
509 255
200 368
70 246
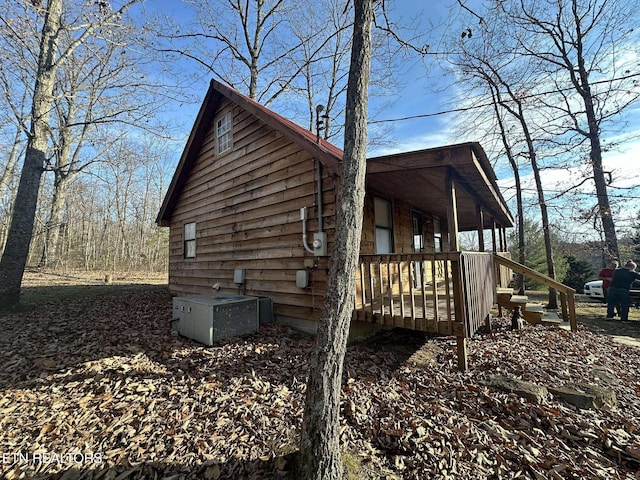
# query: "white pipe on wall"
303 217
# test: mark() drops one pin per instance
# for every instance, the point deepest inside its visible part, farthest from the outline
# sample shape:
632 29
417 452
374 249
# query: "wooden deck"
443 293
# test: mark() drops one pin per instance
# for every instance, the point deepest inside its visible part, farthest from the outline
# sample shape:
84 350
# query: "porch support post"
493 235
452 210
480 219
461 350
460 312
501 235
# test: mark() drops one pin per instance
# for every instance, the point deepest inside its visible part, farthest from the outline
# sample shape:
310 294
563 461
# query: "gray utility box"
209 319
265 310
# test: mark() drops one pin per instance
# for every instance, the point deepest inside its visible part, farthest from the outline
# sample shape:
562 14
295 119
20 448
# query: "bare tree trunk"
604 209
10 167
122 200
16 250
52 227
544 215
548 247
518 113
521 243
5 182
319 446
495 94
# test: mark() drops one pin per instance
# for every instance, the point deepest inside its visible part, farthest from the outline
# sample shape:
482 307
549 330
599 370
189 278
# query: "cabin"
251 211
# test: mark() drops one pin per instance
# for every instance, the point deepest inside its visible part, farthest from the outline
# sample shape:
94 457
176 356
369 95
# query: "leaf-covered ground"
96 386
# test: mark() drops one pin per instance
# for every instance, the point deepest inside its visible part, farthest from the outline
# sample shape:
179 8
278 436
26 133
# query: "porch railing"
448 293
444 293
479 281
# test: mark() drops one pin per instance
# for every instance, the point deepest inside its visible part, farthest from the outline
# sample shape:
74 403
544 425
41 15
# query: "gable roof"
416 177
327 153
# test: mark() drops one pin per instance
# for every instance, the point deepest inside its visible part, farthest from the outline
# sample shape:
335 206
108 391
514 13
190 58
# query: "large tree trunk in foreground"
319 446
16 250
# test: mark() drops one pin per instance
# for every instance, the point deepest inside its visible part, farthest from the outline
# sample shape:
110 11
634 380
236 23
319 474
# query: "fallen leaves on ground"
99 388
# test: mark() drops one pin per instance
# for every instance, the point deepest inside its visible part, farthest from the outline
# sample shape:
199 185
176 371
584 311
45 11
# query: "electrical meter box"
207 319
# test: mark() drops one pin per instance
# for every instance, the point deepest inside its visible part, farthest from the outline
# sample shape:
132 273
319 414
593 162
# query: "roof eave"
209 105
326 153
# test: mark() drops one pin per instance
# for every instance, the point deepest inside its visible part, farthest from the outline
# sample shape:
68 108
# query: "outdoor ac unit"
210 319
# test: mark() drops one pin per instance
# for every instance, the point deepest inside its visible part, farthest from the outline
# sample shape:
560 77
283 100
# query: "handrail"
541 277
567 294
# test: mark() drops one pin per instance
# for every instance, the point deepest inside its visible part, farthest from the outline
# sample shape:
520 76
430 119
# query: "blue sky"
411 134
415 98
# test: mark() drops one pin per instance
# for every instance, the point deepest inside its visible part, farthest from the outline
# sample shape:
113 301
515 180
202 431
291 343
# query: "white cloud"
413 143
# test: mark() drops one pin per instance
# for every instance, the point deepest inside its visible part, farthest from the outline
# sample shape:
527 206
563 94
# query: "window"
384 225
417 231
437 235
189 240
223 133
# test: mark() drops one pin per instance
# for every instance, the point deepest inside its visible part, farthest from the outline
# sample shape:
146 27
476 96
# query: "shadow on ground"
593 316
107 354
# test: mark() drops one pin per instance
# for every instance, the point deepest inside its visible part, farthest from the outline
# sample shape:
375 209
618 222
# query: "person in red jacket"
618 291
606 274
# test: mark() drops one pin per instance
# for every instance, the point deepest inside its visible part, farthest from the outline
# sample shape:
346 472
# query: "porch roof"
418 178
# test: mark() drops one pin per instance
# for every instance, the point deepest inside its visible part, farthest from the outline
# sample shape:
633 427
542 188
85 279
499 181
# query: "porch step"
533 313
502 298
536 314
552 318
510 301
519 299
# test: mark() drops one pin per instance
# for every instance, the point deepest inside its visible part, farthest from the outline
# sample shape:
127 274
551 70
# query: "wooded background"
106 219
125 96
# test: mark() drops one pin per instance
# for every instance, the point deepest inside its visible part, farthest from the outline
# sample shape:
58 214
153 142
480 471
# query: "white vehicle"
594 290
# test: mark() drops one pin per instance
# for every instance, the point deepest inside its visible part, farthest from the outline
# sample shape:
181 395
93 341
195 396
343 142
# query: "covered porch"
454 183
436 287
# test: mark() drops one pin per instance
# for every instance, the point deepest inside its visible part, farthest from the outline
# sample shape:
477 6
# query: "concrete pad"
632 341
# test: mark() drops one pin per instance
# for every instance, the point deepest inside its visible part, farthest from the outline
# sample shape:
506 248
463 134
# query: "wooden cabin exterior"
239 208
234 212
